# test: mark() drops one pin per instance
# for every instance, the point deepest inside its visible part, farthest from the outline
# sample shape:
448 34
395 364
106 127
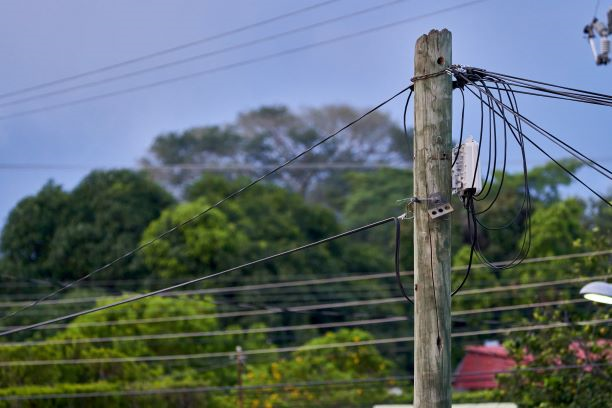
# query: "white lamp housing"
598 292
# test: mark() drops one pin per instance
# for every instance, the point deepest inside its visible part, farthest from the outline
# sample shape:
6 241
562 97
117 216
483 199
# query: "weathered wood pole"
432 244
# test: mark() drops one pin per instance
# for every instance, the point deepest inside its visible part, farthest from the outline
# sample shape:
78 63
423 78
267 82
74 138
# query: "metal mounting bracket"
438 206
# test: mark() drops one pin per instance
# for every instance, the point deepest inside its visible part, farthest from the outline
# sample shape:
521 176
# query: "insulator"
605 46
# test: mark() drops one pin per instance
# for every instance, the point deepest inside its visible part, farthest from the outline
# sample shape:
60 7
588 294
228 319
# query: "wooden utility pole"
432 256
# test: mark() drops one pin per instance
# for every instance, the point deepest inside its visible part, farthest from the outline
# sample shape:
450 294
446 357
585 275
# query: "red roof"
478 368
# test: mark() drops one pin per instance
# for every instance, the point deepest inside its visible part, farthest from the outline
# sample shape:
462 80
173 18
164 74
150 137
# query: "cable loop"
432 75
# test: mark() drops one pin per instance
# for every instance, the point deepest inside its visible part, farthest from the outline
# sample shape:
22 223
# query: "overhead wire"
261 388
310 307
196 280
259 330
483 83
239 63
201 56
169 50
290 349
259 287
201 213
537 146
484 76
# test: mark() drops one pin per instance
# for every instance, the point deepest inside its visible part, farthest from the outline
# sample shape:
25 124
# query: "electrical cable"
168 50
305 308
397 220
569 172
258 330
196 280
484 82
290 349
200 214
563 145
398 227
197 57
484 75
239 63
316 281
262 388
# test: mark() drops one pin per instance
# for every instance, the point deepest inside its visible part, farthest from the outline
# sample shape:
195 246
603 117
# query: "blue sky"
46 40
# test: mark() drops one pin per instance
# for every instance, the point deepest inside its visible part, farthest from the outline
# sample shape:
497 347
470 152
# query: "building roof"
478 368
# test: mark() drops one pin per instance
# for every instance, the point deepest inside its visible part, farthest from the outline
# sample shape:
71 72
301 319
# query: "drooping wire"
202 213
585 160
525 206
563 145
497 79
596 9
472 231
473 223
461 126
398 221
398 227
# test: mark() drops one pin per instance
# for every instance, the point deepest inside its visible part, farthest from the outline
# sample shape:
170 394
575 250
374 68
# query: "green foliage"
585 346
323 365
63 235
27 236
102 325
272 134
550 236
267 220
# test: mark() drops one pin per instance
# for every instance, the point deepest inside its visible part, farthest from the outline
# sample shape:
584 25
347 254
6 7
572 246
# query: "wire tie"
404 217
432 75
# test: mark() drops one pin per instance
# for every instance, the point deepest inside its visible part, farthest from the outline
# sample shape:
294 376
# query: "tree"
271 135
102 376
350 363
28 233
578 362
267 220
62 236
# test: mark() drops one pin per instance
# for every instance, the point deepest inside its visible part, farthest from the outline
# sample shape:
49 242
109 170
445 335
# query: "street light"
598 292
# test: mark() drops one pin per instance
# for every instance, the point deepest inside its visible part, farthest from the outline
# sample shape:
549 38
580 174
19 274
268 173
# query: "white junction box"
466 170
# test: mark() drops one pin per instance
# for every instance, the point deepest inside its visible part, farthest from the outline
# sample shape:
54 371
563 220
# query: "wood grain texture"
432 265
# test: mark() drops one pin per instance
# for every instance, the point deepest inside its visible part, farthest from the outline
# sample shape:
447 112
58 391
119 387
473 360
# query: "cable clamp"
458 68
404 217
412 200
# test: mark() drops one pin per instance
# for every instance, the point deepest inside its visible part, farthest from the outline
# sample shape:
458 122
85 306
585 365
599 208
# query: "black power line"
242 63
200 279
168 50
197 57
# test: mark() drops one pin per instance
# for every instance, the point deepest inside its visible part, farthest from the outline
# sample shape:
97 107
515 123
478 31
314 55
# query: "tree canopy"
63 235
